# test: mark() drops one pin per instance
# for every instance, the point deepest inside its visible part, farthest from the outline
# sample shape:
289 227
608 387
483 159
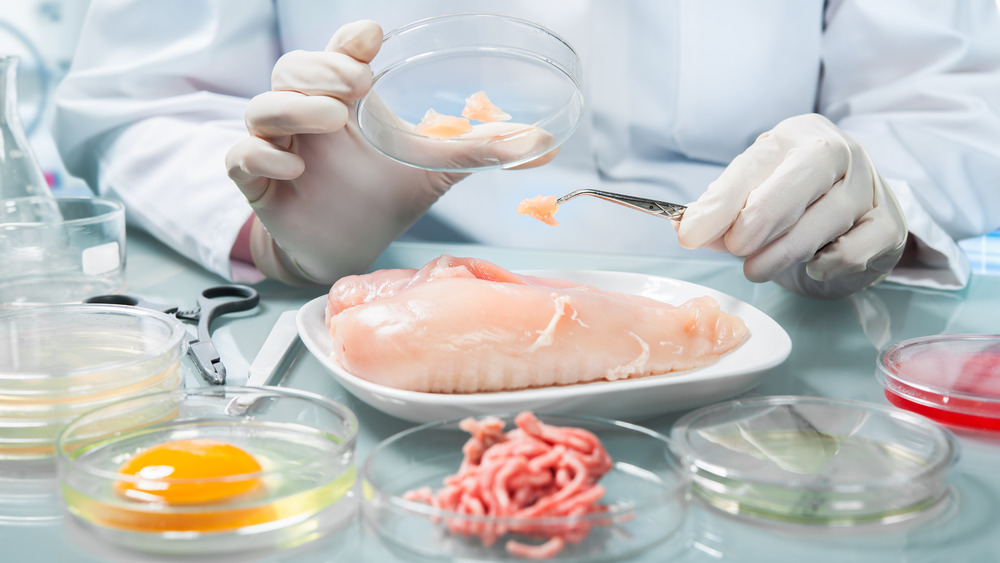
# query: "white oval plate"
630 399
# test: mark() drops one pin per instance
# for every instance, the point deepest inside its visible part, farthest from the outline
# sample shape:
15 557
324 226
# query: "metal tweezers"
653 207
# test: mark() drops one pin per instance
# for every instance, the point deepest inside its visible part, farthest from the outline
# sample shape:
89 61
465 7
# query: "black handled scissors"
212 303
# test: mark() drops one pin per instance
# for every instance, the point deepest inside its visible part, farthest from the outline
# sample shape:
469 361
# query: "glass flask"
20 174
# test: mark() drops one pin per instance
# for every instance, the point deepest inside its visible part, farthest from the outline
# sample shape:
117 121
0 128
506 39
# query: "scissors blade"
207 358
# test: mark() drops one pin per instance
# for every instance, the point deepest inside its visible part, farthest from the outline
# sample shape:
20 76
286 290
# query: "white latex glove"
326 202
806 207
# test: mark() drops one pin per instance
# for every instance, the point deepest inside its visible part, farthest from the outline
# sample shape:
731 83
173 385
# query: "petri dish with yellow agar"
815 461
517 83
953 379
211 470
59 361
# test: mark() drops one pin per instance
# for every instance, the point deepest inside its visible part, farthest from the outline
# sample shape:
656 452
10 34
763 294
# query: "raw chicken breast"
463 325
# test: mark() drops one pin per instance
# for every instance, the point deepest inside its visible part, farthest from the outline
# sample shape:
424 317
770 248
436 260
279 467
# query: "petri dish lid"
951 378
814 460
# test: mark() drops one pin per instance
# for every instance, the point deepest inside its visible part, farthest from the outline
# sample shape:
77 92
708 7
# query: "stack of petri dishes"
59 361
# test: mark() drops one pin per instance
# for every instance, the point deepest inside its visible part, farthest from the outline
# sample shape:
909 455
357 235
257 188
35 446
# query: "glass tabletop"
835 345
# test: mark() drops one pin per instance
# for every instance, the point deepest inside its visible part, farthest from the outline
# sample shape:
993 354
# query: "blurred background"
43 34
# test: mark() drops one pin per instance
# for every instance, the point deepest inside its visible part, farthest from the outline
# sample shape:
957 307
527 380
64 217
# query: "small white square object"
101 259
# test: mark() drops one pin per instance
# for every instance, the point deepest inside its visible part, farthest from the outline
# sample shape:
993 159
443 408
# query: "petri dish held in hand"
815 461
953 379
471 91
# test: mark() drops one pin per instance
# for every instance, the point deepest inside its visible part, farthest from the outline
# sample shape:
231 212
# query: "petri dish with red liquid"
953 379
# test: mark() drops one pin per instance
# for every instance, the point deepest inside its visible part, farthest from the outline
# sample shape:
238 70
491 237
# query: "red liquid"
945 416
978 380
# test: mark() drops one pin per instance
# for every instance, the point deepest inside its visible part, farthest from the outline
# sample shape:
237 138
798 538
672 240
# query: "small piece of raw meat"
542 207
478 107
442 126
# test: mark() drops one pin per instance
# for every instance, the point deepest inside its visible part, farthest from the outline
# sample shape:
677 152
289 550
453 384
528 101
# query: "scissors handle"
214 302
131 300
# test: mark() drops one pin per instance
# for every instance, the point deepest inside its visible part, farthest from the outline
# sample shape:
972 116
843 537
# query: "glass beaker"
20 174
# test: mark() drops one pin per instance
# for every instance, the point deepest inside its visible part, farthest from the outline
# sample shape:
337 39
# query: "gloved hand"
806 207
326 202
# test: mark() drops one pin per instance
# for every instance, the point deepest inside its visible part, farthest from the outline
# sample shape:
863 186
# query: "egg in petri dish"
177 472
230 469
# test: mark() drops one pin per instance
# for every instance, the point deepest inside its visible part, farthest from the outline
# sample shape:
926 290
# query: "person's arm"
900 162
153 101
326 202
918 85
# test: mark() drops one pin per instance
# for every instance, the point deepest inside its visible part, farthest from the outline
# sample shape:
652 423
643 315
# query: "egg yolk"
189 472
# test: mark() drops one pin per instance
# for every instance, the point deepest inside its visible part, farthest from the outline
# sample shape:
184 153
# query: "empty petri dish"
812 460
525 71
210 470
59 361
77 254
951 378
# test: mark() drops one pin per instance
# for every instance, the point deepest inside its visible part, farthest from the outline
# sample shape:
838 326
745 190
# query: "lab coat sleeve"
917 82
154 99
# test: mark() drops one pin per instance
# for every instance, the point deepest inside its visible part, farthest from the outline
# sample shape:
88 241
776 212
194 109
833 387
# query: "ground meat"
535 470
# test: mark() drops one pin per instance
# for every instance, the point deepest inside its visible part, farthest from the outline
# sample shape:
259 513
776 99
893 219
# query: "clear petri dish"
643 498
60 250
816 461
526 70
29 493
953 379
59 361
169 472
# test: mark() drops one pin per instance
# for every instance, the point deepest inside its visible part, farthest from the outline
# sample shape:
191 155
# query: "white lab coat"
674 89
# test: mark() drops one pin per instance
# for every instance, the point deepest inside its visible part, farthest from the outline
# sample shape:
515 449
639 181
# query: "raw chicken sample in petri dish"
448 64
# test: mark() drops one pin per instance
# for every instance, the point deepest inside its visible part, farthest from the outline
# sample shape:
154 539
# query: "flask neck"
8 90
20 174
